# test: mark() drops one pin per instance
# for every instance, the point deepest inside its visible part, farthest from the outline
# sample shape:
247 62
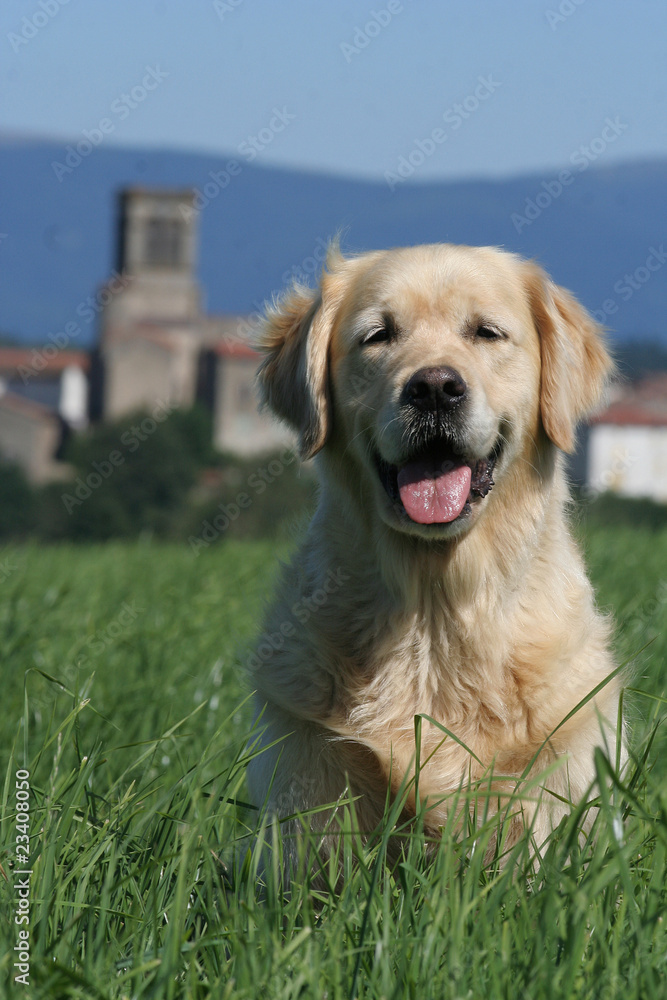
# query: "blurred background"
167 167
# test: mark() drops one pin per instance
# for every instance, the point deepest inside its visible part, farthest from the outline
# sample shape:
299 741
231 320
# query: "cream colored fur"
488 627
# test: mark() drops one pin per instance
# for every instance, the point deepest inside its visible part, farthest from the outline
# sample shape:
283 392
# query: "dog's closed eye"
489 333
380 333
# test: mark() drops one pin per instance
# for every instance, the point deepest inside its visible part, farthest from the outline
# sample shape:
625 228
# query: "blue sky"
356 99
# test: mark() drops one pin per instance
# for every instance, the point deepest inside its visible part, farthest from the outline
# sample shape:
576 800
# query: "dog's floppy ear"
293 378
575 361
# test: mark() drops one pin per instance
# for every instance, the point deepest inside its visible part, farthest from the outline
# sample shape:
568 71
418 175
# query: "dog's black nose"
433 389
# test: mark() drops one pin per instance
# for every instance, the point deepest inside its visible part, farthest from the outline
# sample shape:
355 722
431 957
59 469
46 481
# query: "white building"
43 398
627 444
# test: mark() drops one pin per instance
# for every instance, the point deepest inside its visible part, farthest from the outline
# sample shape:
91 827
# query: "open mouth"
438 485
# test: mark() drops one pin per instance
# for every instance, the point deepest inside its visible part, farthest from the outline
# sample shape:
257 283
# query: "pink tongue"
431 495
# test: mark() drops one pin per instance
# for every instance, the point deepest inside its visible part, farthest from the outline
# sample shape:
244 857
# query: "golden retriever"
438 387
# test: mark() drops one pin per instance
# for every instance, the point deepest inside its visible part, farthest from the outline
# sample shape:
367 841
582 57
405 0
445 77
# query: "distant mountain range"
603 234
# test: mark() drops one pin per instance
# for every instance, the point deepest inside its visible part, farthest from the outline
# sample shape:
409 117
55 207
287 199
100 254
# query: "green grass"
123 695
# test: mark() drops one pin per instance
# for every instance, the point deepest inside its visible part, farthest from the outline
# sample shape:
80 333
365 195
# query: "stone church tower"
156 346
152 328
157 246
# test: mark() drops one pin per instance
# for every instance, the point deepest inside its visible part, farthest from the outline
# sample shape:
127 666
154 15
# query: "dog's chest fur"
459 670
482 656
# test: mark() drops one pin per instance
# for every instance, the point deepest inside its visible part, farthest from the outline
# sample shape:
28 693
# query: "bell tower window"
164 242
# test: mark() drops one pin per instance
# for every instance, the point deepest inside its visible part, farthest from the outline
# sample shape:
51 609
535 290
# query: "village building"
156 344
43 399
627 441
156 347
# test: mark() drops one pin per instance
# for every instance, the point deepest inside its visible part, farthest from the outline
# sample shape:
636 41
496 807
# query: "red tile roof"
642 403
236 349
56 360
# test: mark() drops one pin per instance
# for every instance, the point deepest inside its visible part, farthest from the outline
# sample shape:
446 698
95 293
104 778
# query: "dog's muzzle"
437 482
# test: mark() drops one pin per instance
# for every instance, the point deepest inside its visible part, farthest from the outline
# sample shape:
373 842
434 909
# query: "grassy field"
123 698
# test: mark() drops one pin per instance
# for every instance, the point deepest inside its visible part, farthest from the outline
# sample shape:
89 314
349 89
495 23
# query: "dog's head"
427 373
